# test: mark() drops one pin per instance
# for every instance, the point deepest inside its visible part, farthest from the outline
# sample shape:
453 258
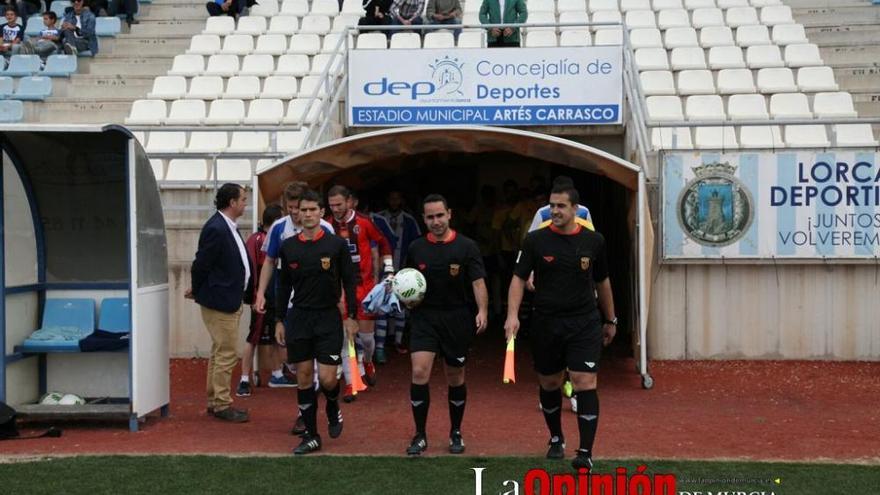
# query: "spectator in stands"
12 33
78 30
232 8
445 12
27 8
49 40
514 12
407 12
127 7
378 13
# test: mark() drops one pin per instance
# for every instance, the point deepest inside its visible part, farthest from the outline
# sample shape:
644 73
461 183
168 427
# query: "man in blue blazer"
78 30
220 282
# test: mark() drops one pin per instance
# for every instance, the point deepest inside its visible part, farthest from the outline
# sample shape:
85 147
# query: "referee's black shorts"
314 334
573 342
448 332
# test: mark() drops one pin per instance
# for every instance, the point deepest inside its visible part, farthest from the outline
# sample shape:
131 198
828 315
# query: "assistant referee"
317 266
568 330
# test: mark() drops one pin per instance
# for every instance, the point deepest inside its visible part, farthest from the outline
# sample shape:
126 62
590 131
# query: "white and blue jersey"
542 218
283 229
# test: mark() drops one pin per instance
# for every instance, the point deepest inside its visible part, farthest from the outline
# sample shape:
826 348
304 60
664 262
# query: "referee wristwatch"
612 321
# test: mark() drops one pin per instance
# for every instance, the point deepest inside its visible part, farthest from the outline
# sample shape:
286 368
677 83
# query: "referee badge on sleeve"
585 263
325 262
453 269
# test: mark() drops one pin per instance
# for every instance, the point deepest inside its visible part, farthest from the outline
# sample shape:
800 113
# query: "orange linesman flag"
509 375
357 385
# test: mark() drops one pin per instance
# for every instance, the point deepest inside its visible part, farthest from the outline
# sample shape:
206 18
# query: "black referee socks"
332 406
420 398
307 407
588 418
457 399
551 404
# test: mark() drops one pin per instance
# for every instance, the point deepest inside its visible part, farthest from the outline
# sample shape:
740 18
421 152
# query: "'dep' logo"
447 76
397 88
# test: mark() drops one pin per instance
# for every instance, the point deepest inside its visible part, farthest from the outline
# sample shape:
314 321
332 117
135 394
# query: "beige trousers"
223 328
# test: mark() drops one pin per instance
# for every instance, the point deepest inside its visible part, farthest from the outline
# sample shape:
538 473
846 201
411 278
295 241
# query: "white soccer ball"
51 398
409 286
71 400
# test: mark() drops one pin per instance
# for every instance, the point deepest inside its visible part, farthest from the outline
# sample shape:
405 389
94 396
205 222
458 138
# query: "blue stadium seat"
34 25
59 66
23 65
11 111
115 315
58 7
6 87
33 88
73 318
108 26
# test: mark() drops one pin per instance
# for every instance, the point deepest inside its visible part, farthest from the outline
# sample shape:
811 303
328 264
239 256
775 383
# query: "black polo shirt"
317 270
566 268
449 267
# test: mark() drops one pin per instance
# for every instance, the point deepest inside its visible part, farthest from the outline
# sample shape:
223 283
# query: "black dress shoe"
232 415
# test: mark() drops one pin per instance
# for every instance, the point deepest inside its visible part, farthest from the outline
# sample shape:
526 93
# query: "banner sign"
485 86
797 205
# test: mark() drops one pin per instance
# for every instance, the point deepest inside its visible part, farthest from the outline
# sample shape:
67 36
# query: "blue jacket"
217 272
87 29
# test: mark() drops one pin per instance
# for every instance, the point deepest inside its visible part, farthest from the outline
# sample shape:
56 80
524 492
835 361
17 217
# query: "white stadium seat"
271 44
249 142
405 41
222 65
790 106
741 16
186 112
353 7
775 15
761 136
669 138
765 3
715 138
266 8
574 17
854 135
315 24
706 17
187 65
607 16
207 142
330 62
666 108
802 55
283 87
373 41
290 141
265 111
716 36
238 44
776 80
789 34
539 18
166 142
234 170
673 18
726 57
650 59
680 37
704 107
605 37
297 108
627 5
806 136
251 25
834 105
735 81
219 25
687 58
257 65
309 44
205 88
158 167
344 21
658 5
541 6
437 39
726 4
168 88
695 82
147 112
760 57
284 24
225 112
299 8
595 5
187 169
699 4
644 38
308 84
813 79
331 41
640 19
539 39
204 44
292 65
325 7
657 83
747 107
574 38
242 87
472 39
571 6
753 35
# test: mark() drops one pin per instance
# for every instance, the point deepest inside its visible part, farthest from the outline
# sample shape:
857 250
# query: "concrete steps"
169 27
128 44
98 87
847 35
77 111
837 16
851 56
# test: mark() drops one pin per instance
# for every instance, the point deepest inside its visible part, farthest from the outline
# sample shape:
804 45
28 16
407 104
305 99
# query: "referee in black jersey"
317 266
444 322
569 328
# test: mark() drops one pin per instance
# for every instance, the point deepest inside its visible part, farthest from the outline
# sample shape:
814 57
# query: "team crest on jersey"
325 262
454 269
549 259
356 230
585 263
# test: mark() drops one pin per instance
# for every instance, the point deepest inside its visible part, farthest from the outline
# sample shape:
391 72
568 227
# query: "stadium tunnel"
456 161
